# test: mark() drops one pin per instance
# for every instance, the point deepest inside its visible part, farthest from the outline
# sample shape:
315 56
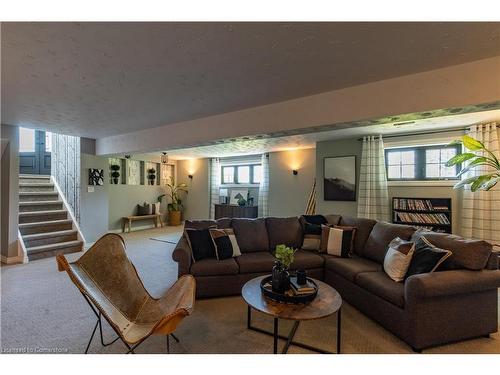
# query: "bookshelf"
428 213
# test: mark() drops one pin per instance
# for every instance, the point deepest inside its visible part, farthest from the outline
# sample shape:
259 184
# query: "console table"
233 210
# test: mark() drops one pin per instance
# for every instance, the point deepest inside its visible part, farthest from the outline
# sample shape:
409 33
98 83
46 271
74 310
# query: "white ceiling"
301 141
102 79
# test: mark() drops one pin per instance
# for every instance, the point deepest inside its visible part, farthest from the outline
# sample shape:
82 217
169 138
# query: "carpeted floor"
43 312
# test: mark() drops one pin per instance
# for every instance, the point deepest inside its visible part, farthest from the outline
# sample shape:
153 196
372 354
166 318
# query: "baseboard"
18 259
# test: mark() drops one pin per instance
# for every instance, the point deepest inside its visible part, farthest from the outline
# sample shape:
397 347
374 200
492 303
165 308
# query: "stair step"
43 251
33 178
36 186
45 226
47 238
34 196
40 205
42 216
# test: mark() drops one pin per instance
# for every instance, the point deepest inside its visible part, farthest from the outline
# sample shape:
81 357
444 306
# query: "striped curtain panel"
373 199
481 210
215 179
264 187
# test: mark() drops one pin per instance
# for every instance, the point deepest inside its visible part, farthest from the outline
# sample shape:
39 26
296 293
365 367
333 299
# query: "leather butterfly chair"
110 284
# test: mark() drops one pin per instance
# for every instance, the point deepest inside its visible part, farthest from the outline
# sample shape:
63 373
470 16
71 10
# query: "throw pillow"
397 258
426 257
312 231
337 240
222 244
234 243
201 244
144 209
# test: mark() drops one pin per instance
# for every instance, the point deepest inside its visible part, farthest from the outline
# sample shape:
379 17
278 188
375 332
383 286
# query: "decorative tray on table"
289 296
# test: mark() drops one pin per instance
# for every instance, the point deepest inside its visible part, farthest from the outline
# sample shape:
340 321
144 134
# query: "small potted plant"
281 277
115 175
151 176
175 206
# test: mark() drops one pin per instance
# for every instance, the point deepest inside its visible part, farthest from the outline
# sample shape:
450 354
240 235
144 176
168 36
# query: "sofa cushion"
333 219
381 285
224 223
380 237
284 230
200 224
251 234
261 261
349 268
363 229
305 260
214 267
468 254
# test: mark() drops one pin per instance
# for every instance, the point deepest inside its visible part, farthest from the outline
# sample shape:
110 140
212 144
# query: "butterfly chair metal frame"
164 324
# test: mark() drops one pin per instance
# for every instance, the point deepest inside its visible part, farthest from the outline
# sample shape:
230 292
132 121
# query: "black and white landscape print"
340 178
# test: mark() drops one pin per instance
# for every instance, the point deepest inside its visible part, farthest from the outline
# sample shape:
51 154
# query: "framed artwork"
96 177
339 175
236 194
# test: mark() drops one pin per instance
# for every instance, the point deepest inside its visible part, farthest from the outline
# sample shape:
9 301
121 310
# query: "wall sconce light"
164 158
295 172
127 156
190 176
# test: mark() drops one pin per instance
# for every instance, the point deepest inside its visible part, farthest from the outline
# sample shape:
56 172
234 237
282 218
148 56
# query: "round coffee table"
326 303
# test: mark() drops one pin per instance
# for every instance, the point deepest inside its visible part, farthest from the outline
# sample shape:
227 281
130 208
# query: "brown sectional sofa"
457 302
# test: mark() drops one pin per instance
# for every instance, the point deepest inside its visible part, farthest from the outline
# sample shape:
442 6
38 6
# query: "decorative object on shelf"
115 175
96 177
339 175
237 194
175 206
242 202
164 158
280 276
223 196
427 213
481 159
151 176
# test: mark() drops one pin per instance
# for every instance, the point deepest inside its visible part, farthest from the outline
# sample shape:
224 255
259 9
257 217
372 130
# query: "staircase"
45 225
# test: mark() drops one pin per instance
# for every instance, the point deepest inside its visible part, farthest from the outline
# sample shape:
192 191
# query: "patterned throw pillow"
398 258
201 244
426 258
337 240
312 231
225 243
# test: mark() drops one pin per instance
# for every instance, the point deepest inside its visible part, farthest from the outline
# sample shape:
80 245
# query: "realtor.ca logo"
34 350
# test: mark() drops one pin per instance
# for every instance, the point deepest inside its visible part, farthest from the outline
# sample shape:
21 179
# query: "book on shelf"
411 217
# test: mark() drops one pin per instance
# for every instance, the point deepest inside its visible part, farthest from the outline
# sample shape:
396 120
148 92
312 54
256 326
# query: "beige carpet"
43 311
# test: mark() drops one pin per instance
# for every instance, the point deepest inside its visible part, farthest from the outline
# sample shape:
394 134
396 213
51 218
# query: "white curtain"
481 210
215 179
373 197
264 187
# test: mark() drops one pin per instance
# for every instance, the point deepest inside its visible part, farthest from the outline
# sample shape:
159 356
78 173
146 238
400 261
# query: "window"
421 163
241 174
26 140
48 142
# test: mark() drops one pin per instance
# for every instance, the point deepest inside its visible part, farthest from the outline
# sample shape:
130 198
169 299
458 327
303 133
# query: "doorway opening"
35 148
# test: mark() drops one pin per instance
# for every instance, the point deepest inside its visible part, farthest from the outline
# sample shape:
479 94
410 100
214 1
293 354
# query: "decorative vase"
280 278
174 218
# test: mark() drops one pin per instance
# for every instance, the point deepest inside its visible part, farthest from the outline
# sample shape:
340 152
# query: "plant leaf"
455 142
481 160
479 182
460 158
467 181
471 143
490 184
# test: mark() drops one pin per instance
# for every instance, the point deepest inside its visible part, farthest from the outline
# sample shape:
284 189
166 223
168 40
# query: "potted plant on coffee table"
281 277
175 206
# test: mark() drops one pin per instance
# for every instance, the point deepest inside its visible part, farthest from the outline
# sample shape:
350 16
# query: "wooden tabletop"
327 302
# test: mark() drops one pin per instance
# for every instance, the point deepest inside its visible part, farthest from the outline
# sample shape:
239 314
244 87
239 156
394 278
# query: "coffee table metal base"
289 338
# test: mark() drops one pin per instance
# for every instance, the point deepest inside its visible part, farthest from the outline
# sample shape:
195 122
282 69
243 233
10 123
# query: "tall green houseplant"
175 206
477 155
